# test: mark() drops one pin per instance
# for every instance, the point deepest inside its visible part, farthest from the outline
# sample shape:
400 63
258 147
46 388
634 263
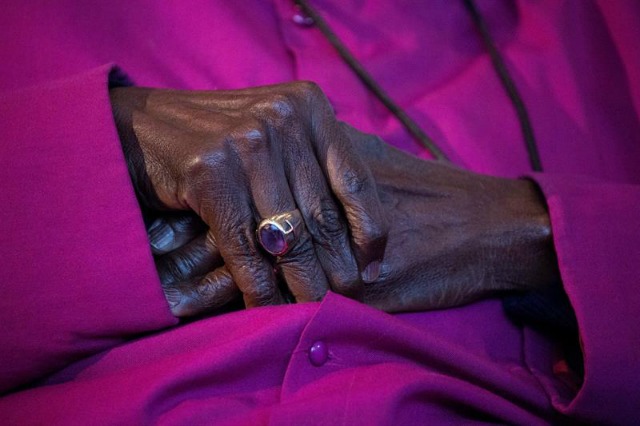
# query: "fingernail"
173 296
371 272
161 235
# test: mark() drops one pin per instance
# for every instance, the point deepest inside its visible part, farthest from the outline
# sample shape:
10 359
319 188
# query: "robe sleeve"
596 231
77 274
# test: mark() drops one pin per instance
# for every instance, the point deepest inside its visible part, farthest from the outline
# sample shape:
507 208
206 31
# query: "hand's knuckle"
344 283
202 165
353 182
238 244
275 109
372 232
262 292
327 224
308 90
302 253
250 139
282 107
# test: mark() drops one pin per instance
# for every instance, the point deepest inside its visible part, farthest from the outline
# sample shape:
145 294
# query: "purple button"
318 354
302 18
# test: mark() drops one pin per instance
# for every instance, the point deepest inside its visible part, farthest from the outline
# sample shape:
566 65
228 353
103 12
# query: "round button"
318 354
302 19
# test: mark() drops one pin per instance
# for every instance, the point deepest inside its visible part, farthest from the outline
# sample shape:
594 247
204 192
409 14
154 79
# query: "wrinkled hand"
233 158
455 236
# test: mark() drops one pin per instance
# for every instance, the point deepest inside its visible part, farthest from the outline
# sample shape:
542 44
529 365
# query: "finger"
302 273
221 196
169 232
324 220
251 270
213 291
272 195
194 259
354 186
349 178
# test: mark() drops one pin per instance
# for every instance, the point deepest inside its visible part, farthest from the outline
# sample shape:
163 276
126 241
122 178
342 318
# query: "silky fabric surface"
87 335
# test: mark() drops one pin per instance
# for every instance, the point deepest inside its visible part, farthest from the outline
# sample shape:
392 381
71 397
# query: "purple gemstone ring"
277 234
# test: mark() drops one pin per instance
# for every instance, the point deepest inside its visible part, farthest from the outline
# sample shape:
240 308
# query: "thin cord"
411 126
509 85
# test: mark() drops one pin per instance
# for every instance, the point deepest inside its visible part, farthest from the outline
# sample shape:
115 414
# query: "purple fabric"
80 291
77 275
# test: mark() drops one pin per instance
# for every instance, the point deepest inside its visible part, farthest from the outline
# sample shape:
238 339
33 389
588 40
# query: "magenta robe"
87 337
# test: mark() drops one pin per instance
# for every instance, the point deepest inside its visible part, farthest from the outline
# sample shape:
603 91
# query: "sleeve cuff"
78 275
596 232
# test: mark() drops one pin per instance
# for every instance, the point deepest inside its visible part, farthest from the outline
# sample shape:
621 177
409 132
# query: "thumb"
203 295
193 259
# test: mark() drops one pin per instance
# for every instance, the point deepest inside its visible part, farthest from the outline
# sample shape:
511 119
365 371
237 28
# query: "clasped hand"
233 158
380 226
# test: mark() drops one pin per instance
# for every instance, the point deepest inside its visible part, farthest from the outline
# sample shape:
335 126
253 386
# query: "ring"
277 234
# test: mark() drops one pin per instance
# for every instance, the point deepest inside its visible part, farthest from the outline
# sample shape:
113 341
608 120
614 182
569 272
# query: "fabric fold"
595 220
86 276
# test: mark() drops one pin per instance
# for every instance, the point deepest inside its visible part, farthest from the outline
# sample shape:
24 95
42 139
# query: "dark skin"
453 236
233 158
